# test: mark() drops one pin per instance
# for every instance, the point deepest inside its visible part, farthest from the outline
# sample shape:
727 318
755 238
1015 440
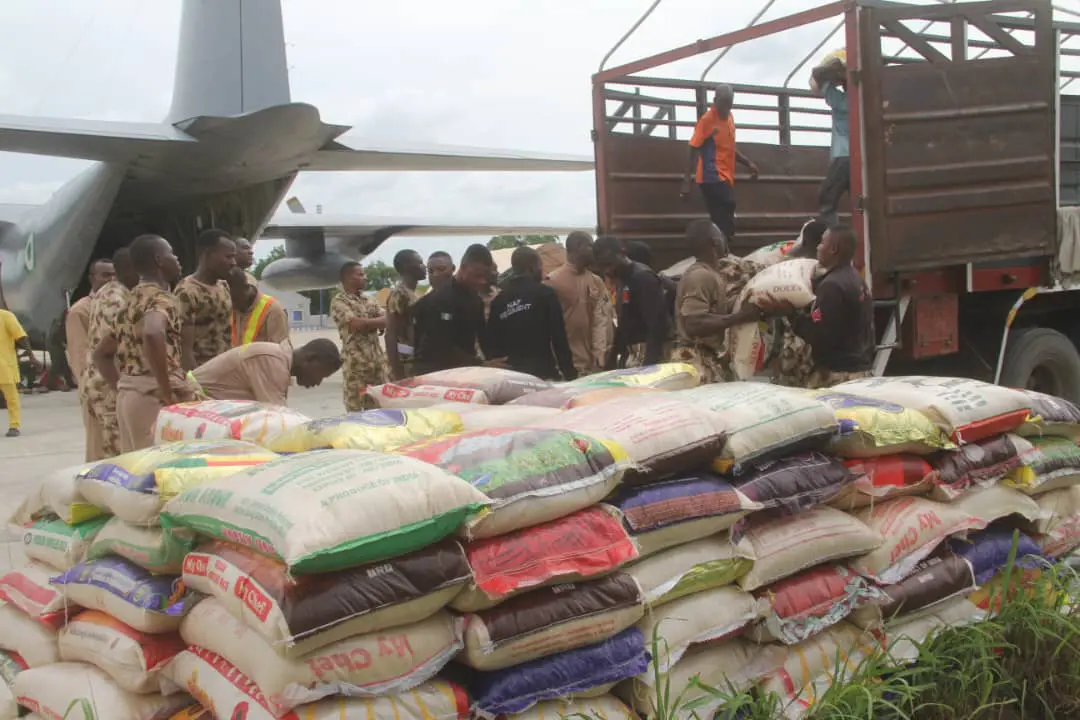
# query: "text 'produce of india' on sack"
377 430
136 485
484 385
762 421
586 544
870 428
789 282
662 435
255 422
296 614
531 475
665 376
968 410
330 509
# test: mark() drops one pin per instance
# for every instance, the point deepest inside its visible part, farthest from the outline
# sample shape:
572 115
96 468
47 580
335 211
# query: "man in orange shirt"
712 161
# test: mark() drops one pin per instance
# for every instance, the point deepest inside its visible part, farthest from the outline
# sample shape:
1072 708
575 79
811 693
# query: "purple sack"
516 689
987 551
163 594
651 507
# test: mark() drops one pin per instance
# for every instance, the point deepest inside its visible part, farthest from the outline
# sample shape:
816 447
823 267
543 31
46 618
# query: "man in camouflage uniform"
705 303
400 336
359 320
97 396
205 301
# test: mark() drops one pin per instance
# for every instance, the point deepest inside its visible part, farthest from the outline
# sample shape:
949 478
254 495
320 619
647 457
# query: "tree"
501 242
276 254
380 275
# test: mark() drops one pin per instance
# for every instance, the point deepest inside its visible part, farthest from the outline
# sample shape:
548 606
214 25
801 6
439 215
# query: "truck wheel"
1044 360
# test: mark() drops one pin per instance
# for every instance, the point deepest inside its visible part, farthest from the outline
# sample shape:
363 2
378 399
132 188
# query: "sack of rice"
938 578
772 253
699 618
763 421
999 501
55 543
1059 526
586 544
693 567
150 603
1051 416
69 690
601 707
159 551
131 658
482 385
378 430
814 665
326 510
730 666
56 494
987 551
807 604
979 464
483 417
33 641
1046 464
136 485
518 688
968 410
530 475
381 663
246 420
30 589
789 282
783 546
795 483
571 395
905 638
297 614
674 512
661 435
10 666
665 376
217 684
879 479
871 428
551 620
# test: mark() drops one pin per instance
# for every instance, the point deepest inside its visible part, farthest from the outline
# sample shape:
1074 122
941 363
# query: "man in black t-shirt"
450 319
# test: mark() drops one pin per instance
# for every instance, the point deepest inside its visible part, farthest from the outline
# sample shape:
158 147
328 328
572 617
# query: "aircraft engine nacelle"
313 261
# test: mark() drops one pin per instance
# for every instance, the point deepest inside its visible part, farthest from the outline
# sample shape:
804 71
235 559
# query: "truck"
965 174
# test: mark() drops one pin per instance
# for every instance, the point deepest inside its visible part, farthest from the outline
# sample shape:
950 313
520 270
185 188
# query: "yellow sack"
136 485
377 430
665 376
871 428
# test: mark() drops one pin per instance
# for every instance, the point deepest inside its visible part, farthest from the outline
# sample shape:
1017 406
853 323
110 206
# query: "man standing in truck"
829 79
712 160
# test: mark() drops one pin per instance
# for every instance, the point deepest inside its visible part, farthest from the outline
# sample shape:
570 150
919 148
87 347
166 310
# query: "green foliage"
501 242
380 275
276 253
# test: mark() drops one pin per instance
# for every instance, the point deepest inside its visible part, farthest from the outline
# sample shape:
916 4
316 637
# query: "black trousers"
720 201
837 182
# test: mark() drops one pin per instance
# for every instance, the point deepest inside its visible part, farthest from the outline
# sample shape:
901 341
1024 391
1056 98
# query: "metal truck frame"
965 157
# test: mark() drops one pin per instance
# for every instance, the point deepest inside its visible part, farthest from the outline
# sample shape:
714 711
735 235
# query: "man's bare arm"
156 349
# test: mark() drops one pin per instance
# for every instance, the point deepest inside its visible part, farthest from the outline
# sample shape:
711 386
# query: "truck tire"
1042 359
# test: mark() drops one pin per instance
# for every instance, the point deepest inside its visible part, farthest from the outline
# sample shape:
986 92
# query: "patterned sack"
58 495
795 483
665 376
870 428
882 478
938 578
571 395
55 543
254 422
987 551
1048 463
483 385
70 690
1050 416
377 430
979 464
131 658
531 475
29 589
693 567
152 548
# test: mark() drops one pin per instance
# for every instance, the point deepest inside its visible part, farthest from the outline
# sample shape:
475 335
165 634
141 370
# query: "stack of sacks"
544 619
479 385
328 573
125 580
254 422
665 376
376 430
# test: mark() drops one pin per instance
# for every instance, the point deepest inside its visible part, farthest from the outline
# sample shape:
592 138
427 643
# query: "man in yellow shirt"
12 336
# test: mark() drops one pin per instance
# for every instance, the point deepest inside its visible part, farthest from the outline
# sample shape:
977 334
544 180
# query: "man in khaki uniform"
256 316
400 340
205 303
245 259
77 330
359 320
95 393
704 302
263 371
147 342
587 310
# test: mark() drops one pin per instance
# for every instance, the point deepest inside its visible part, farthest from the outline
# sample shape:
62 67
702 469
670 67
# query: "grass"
1021 664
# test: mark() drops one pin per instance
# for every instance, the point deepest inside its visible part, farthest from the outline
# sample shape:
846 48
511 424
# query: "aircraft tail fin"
230 60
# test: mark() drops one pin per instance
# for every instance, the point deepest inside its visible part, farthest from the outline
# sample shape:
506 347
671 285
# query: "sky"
486 73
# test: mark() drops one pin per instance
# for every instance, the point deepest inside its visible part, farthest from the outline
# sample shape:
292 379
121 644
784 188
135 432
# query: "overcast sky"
491 73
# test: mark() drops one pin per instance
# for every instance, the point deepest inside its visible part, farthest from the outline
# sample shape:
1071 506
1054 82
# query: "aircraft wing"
358 228
84 139
342 155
